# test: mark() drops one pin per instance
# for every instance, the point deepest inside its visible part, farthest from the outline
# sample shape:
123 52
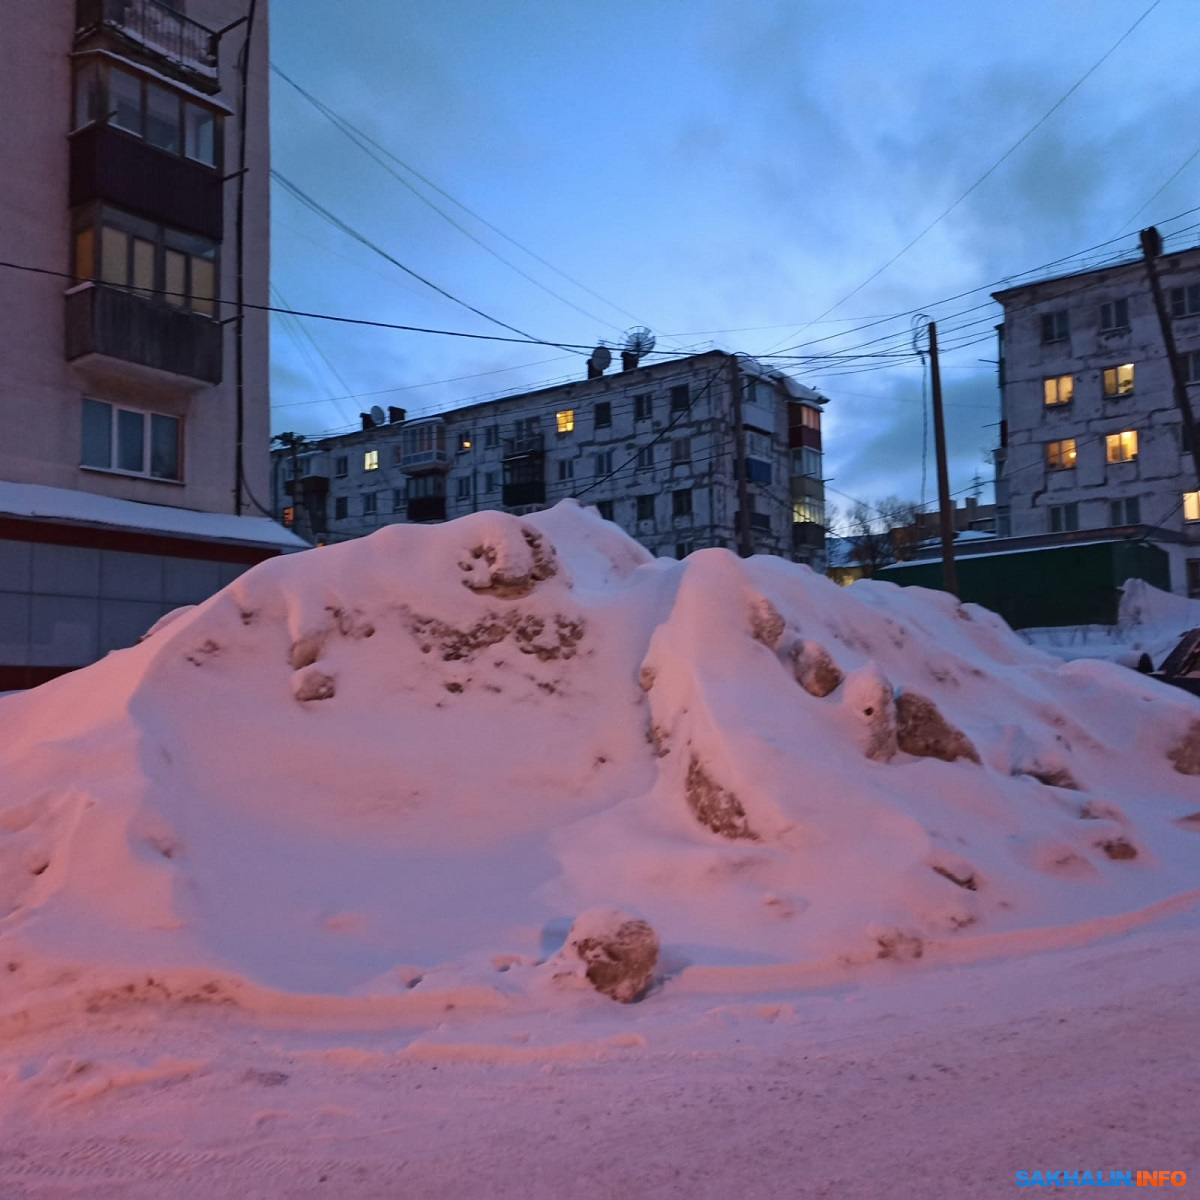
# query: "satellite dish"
601 359
638 340
378 415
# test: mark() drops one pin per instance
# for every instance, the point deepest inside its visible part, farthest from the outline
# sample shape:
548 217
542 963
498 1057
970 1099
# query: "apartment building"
652 446
134 410
1092 443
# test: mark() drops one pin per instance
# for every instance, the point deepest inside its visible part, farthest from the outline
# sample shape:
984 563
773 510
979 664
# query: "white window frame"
147 427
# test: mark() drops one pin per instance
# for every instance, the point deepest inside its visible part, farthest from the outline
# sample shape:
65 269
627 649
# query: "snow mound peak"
372 772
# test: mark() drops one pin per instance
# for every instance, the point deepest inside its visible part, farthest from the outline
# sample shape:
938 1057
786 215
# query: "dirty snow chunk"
814 668
766 625
921 730
506 571
1052 776
1186 756
714 806
869 696
311 684
618 951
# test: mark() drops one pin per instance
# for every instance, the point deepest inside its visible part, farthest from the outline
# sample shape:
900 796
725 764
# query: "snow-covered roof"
39 502
794 388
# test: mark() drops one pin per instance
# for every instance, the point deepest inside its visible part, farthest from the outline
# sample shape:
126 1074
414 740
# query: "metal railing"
156 26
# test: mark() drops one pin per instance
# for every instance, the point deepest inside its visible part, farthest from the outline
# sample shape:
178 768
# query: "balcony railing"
155 26
137 329
519 447
417 462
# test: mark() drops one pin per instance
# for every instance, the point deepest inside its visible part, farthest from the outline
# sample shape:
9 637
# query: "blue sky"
725 173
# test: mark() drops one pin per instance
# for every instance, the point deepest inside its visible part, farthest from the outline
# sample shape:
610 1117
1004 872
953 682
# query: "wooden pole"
1151 249
945 504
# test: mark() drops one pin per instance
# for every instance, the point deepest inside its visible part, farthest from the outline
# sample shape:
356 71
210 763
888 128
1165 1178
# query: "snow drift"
384 771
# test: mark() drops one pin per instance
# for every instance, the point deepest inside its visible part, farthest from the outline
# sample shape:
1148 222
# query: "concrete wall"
40 391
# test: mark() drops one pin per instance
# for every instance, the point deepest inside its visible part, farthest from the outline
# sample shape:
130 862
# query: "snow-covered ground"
284 890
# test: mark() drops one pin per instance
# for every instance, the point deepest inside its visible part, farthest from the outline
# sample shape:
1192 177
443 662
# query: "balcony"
420 462
426 508
107 164
804 435
807 535
523 493
105 323
153 31
524 447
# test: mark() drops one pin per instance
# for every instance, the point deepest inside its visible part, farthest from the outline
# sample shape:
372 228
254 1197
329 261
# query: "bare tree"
885 532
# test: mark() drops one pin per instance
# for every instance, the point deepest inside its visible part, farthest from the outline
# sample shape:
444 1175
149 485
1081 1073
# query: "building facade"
132 401
1091 438
652 447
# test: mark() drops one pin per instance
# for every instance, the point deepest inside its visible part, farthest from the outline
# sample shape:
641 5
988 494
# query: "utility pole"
1151 249
945 504
744 542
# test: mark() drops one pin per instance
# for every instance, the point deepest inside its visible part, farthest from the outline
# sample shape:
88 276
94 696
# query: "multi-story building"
652 447
133 401
1092 443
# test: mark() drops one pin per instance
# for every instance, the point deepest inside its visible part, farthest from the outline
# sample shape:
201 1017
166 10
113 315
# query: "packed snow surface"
384 776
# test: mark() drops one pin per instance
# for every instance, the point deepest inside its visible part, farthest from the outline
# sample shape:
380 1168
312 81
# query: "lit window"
565 420
1122 447
1118 381
1060 389
371 460
136 443
1060 456
289 516
1191 506
464 442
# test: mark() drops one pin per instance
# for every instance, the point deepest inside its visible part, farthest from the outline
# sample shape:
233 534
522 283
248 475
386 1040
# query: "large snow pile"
390 771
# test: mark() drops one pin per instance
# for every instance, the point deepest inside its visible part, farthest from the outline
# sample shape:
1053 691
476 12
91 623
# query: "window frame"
1117 314
147 420
645 458
94 107
680 398
1111 381
1064 518
1114 441
371 460
566 470
1062 454
1058 324
564 421
643 406
1191 507
1056 383
602 414
1184 301
682 504
645 502
605 509
603 463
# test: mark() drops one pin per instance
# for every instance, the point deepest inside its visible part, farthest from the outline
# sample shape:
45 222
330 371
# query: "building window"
1185 301
1114 315
464 442
1059 389
1118 381
810 418
681 450
807 510
341 466
645 508
645 458
143 107
463 487
130 441
604 463
680 398
1191 366
489 481
565 421
1122 447
643 407
566 469
605 509
683 549
603 414
289 516
397 500
807 461
491 437
1191 506
760 445
1054 326
125 251
1193 578
397 454
370 504
1060 456
340 508
681 503
1125 512
1064 518
371 460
